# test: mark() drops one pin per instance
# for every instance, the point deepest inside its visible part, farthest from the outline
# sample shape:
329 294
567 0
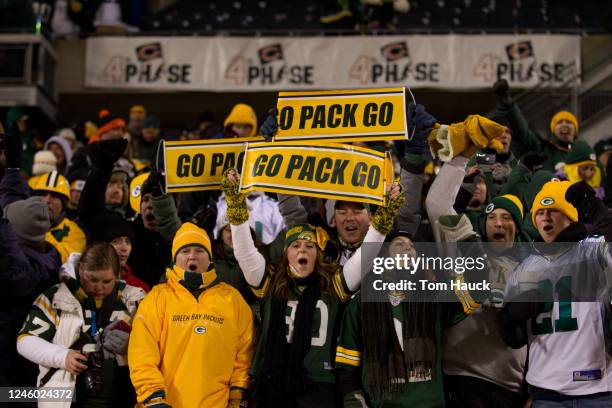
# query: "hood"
243 114
571 171
64 144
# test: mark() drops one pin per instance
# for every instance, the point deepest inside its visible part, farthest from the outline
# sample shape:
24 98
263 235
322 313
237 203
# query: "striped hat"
54 183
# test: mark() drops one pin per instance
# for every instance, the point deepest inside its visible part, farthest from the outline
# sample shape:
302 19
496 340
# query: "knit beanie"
138 111
307 232
552 196
580 153
106 122
602 146
110 225
190 235
44 162
151 122
510 203
499 118
29 218
559 116
68 134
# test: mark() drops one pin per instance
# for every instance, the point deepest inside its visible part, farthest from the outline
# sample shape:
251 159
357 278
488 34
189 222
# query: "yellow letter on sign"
348 116
337 171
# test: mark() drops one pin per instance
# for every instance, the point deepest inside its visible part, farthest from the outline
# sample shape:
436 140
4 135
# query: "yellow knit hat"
559 116
552 196
190 235
138 111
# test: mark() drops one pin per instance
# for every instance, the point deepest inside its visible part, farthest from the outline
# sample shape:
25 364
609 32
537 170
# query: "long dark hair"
283 283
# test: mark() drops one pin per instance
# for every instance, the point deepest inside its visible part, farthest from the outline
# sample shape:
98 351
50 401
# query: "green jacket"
524 140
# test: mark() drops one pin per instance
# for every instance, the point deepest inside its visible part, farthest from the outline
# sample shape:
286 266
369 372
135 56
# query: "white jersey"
567 350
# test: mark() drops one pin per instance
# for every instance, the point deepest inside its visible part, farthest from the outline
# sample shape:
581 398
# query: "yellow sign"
199 164
336 171
342 116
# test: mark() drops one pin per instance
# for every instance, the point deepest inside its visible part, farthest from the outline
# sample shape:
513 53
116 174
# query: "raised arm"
252 263
380 225
444 190
105 154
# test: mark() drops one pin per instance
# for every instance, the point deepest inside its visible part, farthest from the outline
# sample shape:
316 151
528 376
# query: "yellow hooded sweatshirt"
242 114
190 352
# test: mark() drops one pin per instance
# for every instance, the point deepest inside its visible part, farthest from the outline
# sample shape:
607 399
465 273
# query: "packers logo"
295 230
489 208
199 329
547 201
136 192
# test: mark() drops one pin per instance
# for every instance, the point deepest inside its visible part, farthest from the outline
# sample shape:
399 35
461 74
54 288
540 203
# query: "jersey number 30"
320 339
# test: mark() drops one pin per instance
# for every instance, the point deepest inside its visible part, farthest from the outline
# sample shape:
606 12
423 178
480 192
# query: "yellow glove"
465 138
237 211
383 218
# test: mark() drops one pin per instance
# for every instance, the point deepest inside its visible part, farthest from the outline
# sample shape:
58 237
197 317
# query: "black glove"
583 197
270 125
526 305
13 147
105 153
502 94
420 124
534 161
154 184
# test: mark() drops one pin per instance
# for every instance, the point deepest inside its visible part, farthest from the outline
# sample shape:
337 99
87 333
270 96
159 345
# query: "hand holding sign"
270 126
383 218
421 123
237 211
394 190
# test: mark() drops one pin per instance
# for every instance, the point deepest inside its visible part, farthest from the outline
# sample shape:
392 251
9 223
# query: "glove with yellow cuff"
237 211
465 138
383 218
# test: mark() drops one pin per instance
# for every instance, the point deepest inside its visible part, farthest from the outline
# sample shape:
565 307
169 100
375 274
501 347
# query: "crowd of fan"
218 299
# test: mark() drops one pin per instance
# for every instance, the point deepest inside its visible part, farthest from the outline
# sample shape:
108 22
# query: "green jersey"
319 361
420 390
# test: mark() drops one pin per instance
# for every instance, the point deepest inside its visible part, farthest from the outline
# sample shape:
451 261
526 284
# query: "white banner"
317 63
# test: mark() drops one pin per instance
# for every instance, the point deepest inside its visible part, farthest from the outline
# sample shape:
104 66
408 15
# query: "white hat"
67 134
44 162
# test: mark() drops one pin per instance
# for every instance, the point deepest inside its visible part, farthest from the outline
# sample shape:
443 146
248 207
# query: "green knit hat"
510 203
307 232
579 153
151 122
603 146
